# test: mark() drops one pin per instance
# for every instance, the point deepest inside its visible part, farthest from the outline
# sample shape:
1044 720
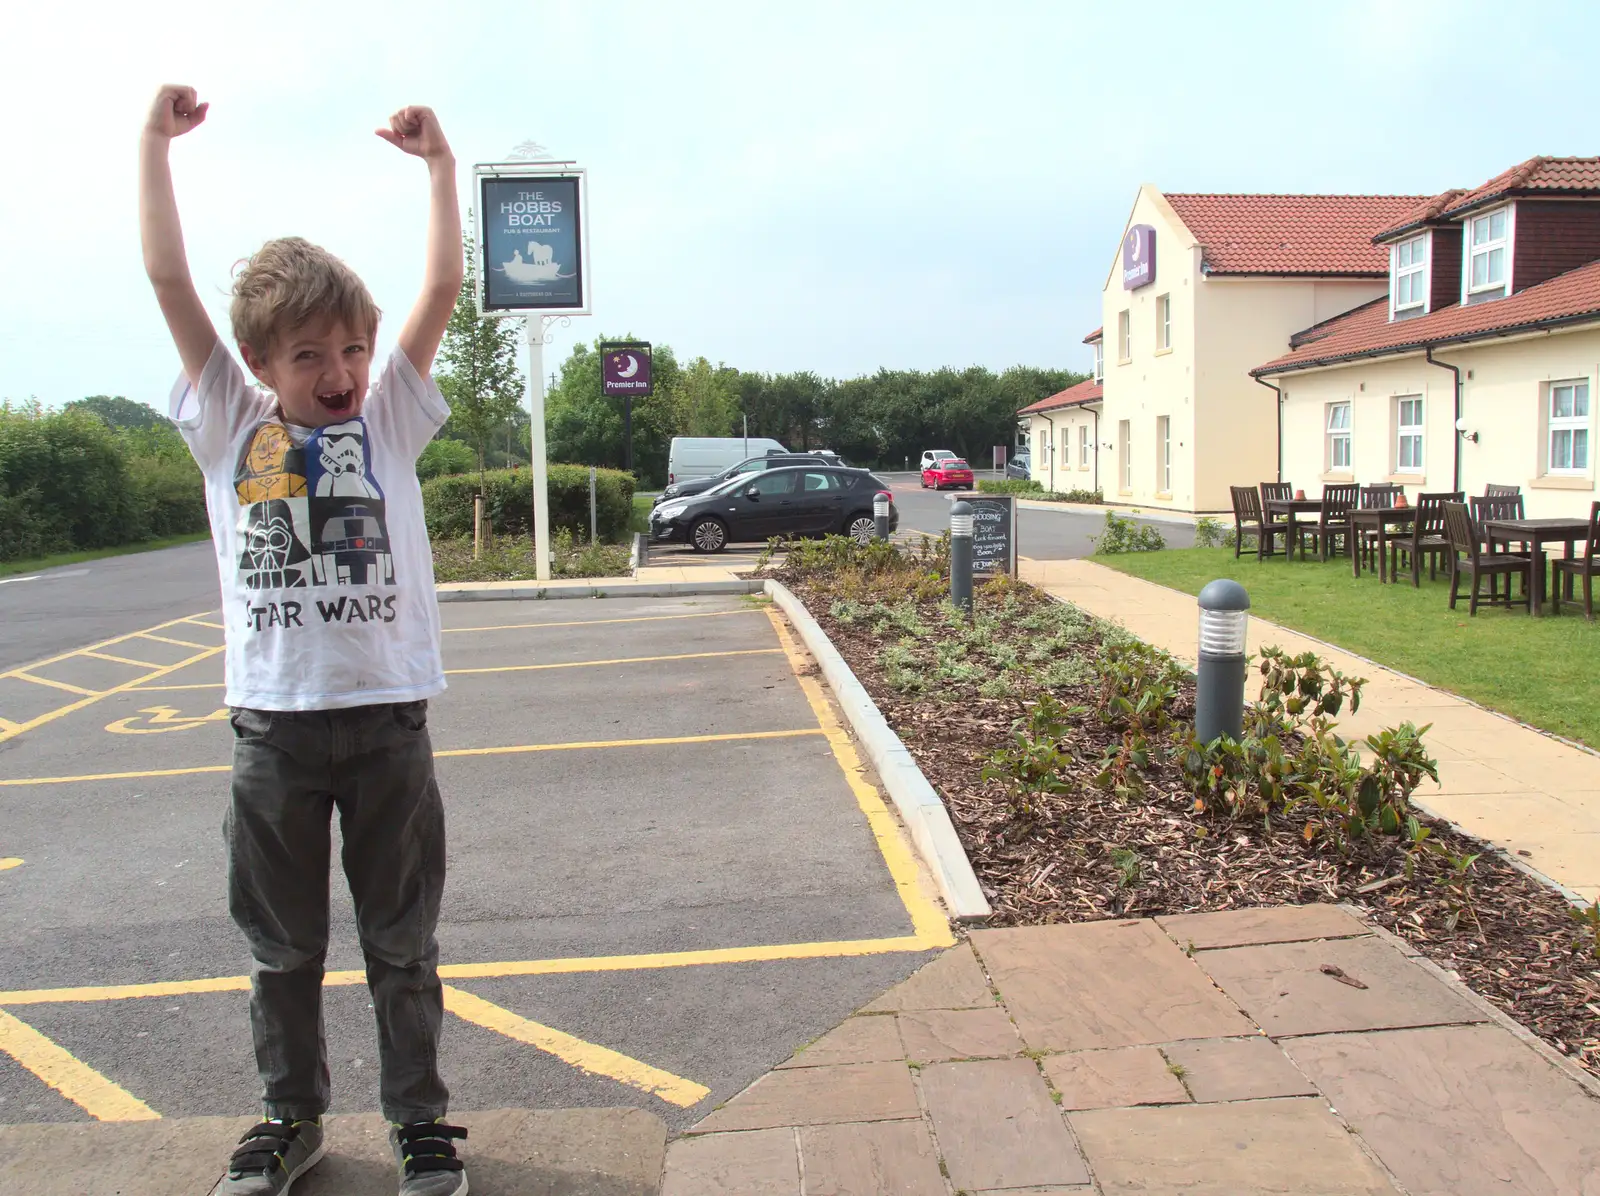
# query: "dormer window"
1488 254
1409 276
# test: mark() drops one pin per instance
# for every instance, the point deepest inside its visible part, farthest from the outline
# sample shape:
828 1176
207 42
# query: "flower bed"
1062 750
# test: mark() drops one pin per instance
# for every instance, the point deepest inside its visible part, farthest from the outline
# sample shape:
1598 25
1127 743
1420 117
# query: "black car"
816 500
772 460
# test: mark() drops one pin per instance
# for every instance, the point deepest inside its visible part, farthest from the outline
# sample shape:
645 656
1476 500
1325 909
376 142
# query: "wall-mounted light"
1461 427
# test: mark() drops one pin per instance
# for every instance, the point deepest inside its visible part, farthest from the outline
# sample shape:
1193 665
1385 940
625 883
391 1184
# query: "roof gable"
1086 391
1292 234
1536 176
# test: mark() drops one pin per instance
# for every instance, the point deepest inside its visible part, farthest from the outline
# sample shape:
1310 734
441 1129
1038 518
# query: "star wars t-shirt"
327 573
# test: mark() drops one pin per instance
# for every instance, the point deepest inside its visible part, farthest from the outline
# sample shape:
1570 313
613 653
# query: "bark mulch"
1087 854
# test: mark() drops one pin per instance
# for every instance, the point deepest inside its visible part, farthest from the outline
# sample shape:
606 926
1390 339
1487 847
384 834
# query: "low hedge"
1009 486
1033 489
508 501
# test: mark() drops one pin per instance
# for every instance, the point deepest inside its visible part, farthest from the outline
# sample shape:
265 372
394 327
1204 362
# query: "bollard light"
880 513
961 554
1219 683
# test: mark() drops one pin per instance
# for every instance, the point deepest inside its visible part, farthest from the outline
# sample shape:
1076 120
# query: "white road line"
8 580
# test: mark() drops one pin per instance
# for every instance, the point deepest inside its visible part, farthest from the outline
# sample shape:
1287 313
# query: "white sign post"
533 261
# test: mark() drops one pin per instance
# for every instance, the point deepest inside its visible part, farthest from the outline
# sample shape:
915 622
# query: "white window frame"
1417 267
1337 436
1127 455
1164 461
1125 336
1083 446
1163 322
1100 360
1570 424
1469 251
1412 431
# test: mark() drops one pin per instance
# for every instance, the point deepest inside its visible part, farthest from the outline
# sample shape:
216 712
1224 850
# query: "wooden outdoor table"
1379 520
1292 509
1537 532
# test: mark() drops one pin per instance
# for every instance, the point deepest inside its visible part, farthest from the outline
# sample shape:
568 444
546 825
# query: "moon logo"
1133 244
630 369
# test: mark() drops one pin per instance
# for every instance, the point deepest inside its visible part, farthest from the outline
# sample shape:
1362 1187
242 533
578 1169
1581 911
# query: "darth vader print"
349 536
273 556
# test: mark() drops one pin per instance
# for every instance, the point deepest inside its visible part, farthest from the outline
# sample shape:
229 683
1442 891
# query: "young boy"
332 646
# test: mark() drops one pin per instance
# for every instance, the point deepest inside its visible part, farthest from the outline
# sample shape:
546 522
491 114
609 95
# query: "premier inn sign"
1138 257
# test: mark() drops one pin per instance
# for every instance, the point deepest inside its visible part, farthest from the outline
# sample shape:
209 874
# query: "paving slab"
761 1163
1219 1069
941 1035
1253 1148
1284 988
867 1039
1461 1110
511 1152
1254 927
952 981
1103 984
881 1158
819 1096
1114 1079
997 1126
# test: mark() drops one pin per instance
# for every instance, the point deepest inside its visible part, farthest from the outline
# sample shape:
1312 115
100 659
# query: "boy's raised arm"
416 131
175 112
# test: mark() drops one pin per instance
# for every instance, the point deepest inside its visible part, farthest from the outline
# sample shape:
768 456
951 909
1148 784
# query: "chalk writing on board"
993 528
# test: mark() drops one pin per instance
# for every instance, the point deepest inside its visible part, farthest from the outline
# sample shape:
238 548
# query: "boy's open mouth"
340 401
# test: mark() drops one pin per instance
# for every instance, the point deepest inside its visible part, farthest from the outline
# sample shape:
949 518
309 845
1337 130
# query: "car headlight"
671 510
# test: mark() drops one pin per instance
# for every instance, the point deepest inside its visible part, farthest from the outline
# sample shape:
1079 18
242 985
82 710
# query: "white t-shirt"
327 573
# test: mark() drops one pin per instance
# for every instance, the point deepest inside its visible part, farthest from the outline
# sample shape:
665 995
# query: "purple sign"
1138 257
625 368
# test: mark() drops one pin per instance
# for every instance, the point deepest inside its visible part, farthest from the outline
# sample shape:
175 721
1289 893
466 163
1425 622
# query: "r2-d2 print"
349 537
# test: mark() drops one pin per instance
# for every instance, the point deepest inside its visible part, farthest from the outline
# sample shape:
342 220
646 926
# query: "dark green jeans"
291 770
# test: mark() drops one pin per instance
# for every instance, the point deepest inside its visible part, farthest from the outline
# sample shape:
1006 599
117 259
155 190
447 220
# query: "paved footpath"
1207 1055
1534 796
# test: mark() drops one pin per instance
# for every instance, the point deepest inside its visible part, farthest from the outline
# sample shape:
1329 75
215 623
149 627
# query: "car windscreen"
953 463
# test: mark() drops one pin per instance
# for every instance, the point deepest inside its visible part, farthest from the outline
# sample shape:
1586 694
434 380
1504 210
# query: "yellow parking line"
54 684
587 1057
7 725
116 639
496 970
138 664
62 711
515 750
928 921
163 639
199 622
150 689
579 664
710 614
102 1099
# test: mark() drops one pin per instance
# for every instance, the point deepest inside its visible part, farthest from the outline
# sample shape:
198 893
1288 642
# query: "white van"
693 457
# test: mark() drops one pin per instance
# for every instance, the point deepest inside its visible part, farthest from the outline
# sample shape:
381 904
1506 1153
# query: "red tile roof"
1292 234
1086 391
1572 297
1094 336
1536 176
1424 213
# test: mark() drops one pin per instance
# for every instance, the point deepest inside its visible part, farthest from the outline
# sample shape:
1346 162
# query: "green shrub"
1009 486
170 497
1212 533
1124 535
67 472
445 457
508 502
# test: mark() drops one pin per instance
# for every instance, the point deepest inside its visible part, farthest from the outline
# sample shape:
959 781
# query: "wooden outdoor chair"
1375 497
1334 520
1584 567
1494 491
1499 506
1470 559
1280 490
1249 520
1427 537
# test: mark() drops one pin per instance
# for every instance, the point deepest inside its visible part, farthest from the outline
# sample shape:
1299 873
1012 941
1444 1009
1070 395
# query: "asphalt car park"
667 869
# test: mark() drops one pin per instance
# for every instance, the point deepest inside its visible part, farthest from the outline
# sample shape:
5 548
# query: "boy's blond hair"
288 283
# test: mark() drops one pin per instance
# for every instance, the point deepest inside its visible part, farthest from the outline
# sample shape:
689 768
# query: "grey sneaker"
427 1160
270 1157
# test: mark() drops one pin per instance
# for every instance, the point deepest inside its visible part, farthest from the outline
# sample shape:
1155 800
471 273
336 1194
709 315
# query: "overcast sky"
800 186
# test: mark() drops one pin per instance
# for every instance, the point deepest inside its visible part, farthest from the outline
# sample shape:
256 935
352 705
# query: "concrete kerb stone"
609 587
921 809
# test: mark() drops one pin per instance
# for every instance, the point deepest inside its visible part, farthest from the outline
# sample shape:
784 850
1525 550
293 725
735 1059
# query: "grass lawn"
640 522
1541 671
12 568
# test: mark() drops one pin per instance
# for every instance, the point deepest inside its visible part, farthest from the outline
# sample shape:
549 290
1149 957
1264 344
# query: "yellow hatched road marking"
102 1099
54 684
7 725
515 750
150 689
116 639
569 966
587 1057
581 664
928 921
710 614
199 622
166 639
138 664
63 711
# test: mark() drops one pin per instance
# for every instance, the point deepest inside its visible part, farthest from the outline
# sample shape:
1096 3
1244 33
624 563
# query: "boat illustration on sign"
542 268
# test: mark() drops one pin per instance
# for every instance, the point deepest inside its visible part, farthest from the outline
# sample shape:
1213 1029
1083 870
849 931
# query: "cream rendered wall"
1241 322
1503 401
1060 471
1153 383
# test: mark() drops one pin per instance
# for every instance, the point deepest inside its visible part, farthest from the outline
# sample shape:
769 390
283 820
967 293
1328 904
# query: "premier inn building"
1203 290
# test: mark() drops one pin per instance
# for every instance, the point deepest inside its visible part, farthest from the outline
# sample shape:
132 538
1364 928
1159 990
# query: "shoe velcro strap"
260 1150
427 1147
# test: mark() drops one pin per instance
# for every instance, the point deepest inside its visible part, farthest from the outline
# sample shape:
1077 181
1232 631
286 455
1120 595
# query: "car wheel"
863 529
708 535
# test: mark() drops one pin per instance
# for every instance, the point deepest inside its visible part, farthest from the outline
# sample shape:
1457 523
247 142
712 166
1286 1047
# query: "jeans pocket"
250 726
411 717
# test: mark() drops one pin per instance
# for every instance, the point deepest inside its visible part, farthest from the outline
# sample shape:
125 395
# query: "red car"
951 471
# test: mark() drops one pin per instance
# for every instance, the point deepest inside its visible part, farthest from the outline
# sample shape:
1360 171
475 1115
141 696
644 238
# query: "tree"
583 427
478 372
706 399
119 412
